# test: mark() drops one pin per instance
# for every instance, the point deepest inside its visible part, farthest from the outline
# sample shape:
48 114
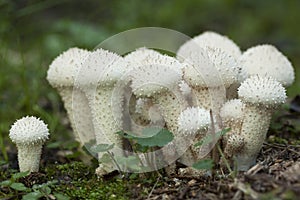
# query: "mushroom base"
29 157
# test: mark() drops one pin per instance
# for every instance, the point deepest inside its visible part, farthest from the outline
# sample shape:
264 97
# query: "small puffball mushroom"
266 60
260 95
232 117
209 73
142 117
29 134
193 124
158 78
98 79
61 75
209 39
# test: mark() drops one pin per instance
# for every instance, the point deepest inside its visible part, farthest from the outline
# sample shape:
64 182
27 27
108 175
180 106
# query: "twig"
149 195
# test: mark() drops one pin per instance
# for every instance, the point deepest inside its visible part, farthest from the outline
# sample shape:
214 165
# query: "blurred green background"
34 32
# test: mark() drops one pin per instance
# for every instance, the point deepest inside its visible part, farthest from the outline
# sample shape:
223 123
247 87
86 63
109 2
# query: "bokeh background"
34 32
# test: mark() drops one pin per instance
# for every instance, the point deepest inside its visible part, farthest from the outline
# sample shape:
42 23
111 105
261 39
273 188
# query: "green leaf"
46 190
209 138
105 158
2 162
54 145
20 175
126 135
60 196
32 195
5 183
131 162
18 186
204 164
102 147
159 137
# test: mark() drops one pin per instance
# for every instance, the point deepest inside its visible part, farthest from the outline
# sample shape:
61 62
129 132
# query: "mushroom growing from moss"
260 95
29 134
98 78
61 75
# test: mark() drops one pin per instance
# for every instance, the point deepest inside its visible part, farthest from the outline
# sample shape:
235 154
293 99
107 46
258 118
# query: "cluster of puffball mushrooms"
210 85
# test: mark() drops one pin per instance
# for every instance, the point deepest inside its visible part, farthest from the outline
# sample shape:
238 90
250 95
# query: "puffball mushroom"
101 71
158 78
209 73
29 134
209 39
193 124
260 95
61 75
266 60
232 117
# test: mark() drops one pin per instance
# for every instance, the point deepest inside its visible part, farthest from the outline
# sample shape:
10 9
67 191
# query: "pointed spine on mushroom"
98 79
260 95
61 75
29 134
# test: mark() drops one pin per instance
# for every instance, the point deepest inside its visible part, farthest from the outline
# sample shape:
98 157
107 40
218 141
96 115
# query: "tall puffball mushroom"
260 95
266 60
101 71
61 75
29 134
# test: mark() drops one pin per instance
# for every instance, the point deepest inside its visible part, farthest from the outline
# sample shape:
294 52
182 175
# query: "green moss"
79 181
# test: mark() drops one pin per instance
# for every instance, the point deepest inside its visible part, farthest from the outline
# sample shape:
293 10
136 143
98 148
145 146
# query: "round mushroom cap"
200 71
29 130
232 110
226 65
193 119
266 60
264 91
102 67
155 75
64 68
140 55
209 39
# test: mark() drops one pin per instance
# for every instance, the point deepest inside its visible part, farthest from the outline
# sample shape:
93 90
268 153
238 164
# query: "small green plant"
37 191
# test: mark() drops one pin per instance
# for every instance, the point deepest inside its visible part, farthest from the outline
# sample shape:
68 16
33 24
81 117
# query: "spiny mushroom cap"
155 75
102 67
64 68
232 110
266 60
29 130
226 65
140 54
264 91
209 39
199 71
193 119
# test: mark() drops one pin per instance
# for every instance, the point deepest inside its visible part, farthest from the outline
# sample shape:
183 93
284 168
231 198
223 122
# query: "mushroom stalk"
29 157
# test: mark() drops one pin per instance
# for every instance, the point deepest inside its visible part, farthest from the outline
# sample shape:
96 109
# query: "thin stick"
153 188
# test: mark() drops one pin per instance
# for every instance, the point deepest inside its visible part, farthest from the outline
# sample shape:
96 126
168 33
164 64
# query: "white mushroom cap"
264 91
155 75
140 54
232 110
29 130
209 39
226 65
64 68
102 67
266 60
194 119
